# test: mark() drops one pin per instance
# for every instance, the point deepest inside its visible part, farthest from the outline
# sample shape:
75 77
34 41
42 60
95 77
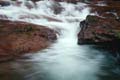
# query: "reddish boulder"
17 38
99 30
102 28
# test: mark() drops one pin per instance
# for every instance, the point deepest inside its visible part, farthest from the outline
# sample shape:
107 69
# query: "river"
64 59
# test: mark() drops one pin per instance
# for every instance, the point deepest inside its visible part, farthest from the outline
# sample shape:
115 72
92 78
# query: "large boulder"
17 38
103 27
99 30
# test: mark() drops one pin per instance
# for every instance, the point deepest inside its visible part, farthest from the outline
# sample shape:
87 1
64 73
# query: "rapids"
64 59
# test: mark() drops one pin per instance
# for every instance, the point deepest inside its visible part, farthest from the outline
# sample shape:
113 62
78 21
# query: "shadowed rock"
4 3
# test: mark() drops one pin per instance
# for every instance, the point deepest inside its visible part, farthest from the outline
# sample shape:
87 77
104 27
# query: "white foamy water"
63 60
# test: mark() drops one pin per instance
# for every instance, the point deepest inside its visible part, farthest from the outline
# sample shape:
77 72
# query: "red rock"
17 38
104 28
99 30
110 10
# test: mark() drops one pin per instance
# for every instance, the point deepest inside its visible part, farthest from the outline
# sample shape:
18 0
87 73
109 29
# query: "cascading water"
63 60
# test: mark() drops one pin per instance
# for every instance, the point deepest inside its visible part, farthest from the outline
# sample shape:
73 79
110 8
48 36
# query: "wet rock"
95 30
30 5
110 10
69 1
35 0
118 18
56 7
102 28
76 1
4 3
3 16
17 38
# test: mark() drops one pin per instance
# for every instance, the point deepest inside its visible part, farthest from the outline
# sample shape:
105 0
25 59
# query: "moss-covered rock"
91 19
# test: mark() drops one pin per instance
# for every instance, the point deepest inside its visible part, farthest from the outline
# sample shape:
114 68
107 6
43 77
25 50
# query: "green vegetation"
25 29
13 0
91 19
117 34
28 29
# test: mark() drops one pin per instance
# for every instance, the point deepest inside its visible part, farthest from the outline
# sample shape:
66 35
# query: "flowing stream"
64 59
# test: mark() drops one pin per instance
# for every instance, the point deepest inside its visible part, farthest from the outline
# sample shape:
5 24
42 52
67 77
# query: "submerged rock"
17 38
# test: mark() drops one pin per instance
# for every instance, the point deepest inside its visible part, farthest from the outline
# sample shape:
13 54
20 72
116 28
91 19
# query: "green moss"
118 34
28 29
14 0
92 19
23 30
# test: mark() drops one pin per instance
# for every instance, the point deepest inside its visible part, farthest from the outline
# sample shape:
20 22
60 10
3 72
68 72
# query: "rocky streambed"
42 40
101 26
